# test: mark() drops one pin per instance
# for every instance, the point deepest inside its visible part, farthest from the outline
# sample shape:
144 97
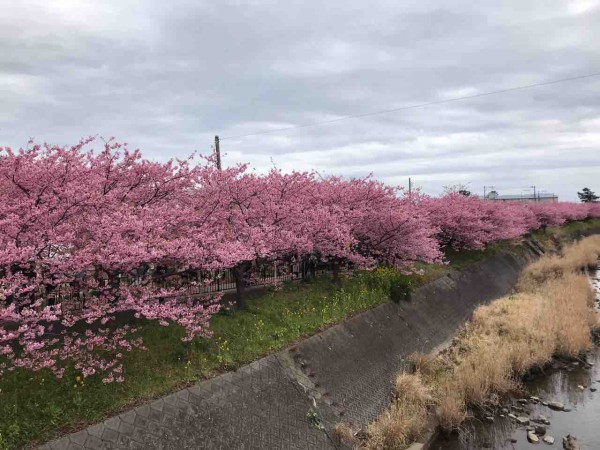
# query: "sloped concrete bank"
353 364
292 399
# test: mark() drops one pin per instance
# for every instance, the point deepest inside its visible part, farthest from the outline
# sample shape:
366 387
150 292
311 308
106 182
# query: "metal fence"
197 283
265 275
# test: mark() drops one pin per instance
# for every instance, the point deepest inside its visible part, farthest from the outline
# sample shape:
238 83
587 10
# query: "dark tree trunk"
239 273
335 270
306 268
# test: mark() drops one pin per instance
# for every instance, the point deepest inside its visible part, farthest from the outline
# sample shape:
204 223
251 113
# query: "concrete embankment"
292 399
353 364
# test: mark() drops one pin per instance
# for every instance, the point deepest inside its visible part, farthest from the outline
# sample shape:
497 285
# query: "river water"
583 421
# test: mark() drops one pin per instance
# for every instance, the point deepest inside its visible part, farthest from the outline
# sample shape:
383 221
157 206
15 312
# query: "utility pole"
410 190
218 152
534 196
484 186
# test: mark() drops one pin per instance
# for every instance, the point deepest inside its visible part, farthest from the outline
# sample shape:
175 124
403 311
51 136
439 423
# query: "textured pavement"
343 374
261 406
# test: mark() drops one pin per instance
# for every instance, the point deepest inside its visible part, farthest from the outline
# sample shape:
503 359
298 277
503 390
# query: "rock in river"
556 406
570 443
531 437
522 420
548 440
543 420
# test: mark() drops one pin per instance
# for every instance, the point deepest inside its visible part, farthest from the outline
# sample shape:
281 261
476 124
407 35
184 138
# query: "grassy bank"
36 407
552 313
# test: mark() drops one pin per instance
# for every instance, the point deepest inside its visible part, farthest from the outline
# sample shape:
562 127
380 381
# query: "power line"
418 105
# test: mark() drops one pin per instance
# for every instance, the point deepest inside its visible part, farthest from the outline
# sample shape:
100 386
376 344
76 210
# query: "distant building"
544 197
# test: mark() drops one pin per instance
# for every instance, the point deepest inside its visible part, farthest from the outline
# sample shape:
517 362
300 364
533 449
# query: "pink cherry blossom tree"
89 228
383 225
87 236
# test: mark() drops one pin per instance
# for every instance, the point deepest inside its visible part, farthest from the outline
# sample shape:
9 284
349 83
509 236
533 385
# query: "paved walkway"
342 374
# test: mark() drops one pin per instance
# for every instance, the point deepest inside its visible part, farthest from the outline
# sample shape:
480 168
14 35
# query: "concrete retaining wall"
292 399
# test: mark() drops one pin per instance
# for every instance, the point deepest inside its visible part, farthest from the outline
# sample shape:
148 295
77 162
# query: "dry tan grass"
512 334
451 409
551 313
483 373
406 419
410 388
400 425
574 257
570 311
343 432
425 364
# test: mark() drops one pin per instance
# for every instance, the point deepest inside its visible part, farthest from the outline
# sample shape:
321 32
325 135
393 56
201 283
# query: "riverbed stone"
570 443
531 437
556 406
540 430
543 420
548 440
512 416
522 420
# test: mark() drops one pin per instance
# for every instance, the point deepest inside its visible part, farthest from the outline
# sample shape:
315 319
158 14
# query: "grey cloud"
167 76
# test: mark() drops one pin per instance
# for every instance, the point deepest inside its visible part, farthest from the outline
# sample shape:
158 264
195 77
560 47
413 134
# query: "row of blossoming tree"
100 226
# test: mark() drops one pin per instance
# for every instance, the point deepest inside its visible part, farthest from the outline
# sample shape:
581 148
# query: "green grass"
568 231
461 259
35 407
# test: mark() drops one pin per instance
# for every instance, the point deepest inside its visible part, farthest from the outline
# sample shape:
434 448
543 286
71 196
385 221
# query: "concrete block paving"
259 407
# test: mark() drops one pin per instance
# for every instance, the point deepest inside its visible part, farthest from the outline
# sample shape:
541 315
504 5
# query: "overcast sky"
166 76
